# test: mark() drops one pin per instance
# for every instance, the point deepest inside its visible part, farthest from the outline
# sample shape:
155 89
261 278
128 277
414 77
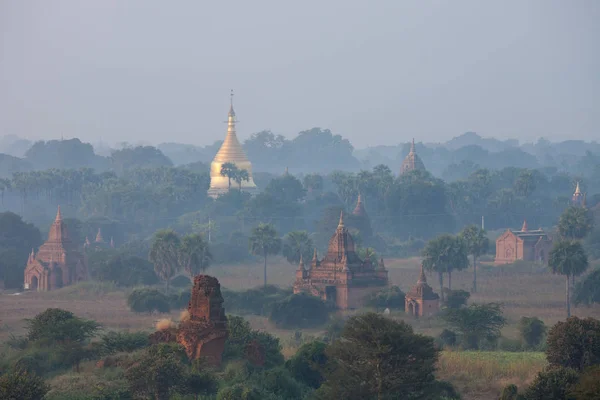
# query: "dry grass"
482 375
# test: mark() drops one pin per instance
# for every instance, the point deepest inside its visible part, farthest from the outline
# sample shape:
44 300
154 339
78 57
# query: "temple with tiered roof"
412 161
231 151
421 300
58 261
341 278
524 244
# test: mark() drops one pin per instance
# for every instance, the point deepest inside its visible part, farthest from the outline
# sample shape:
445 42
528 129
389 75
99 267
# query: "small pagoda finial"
524 227
58 215
99 238
231 112
381 264
412 146
315 256
422 278
341 224
577 189
301 264
359 200
286 173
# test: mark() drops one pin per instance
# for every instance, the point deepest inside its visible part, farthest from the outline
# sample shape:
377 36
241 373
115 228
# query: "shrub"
574 343
552 384
306 365
60 325
532 330
148 300
22 386
181 281
456 298
299 311
588 386
180 300
243 343
448 337
392 298
256 301
115 342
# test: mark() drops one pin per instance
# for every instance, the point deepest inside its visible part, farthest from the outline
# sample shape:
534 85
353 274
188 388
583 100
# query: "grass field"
478 375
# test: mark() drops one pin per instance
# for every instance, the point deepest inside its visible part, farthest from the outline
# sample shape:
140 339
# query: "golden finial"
412 146
524 227
341 224
577 190
58 215
231 112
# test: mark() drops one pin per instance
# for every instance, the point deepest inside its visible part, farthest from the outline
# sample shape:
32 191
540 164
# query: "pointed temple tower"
421 300
361 220
341 278
578 198
412 161
230 152
57 263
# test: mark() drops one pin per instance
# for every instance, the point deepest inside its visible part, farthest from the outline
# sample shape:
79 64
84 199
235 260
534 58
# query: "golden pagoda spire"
577 190
412 146
341 223
231 151
58 215
524 227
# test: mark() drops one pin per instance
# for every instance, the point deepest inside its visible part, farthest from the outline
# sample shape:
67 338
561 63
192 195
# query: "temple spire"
231 112
99 238
58 215
341 223
315 259
301 264
577 189
422 278
524 227
412 146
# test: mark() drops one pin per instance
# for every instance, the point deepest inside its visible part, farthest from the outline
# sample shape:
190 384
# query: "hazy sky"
377 72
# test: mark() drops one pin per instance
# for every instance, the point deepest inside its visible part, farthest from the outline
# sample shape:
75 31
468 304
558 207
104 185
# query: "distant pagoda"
231 151
412 161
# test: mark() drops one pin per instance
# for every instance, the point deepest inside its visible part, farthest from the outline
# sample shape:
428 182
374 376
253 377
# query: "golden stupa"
231 151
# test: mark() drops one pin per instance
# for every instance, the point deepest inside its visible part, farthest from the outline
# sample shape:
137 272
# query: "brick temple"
421 300
341 278
527 245
58 261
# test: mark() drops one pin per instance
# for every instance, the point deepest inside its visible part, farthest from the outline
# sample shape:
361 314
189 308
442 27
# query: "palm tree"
164 253
194 254
229 170
568 258
241 175
575 223
443 255
477 244
264 241
296 244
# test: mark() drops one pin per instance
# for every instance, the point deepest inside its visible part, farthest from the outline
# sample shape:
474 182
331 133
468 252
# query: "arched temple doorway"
34 283
58 278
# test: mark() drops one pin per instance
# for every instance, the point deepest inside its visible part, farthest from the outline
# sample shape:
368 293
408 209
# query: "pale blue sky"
377 72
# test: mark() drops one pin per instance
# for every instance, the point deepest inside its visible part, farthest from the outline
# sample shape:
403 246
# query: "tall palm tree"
240 176
568 258
164 254
477 244
264 241
296 244
194 254
229 170
575 223
443 255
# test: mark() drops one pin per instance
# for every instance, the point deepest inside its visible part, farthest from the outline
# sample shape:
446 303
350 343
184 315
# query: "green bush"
306 365
392 298
256 301
116 342
243 343
552 384
299 311
22 386
532 331
180 300
456 298
148 300
448 337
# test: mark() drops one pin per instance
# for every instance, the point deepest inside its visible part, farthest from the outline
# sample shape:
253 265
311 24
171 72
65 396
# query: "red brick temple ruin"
204 332
341 278
524 244
421 300
57 263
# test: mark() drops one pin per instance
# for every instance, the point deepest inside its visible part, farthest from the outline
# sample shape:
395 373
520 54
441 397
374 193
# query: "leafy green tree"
17 239
148 300
229 170
307 364
140 157
588 385
244 343
575 223
121 267
476 322
299 311
313 182
194 254
567 258
296 244
264 241
552 384
158 374
443 255
588 291
241 175
477 245
456 298
21 385
378 358
164 254
574 343
532 331
525 183
59 325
